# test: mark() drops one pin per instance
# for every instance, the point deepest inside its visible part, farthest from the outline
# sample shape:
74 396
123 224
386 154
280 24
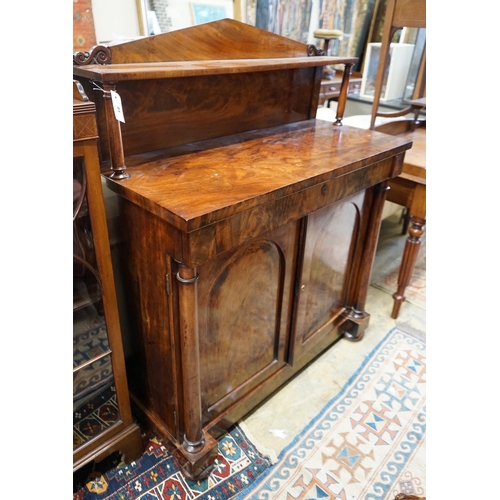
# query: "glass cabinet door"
95 407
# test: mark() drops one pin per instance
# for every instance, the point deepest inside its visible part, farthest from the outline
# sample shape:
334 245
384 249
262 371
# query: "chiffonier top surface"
198 184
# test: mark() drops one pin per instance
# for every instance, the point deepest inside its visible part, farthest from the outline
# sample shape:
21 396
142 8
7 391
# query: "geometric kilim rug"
155 475
368 442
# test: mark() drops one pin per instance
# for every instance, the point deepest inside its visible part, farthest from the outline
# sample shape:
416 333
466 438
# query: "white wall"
181 16
118 20
115 20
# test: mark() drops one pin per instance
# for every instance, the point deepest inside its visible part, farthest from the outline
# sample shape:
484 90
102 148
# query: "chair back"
400 14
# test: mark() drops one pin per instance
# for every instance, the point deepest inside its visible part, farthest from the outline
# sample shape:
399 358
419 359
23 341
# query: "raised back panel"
166 109
223 39
183 110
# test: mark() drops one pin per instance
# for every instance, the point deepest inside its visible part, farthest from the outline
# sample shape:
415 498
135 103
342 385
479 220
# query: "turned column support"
198 448
118 166
193 433
417 214
410 254
358 318
343 94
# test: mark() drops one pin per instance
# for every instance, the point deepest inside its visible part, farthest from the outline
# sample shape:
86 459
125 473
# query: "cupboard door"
331 235
245 298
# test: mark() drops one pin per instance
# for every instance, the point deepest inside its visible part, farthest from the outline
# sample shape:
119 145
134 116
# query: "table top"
415 158
201 183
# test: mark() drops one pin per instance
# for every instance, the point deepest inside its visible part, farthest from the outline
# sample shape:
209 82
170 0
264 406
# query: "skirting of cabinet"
128 442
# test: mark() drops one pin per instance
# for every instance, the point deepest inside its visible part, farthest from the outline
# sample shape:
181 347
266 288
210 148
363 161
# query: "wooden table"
409 190
249 226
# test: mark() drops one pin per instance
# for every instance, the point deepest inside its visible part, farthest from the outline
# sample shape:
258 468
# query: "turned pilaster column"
358 317
198 449
115 136
188 319
343 94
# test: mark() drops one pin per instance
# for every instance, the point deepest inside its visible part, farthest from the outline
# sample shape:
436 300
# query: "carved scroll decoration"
312 50
98 54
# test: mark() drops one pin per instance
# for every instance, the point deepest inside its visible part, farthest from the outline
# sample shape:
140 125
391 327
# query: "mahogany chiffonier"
102 419
249 227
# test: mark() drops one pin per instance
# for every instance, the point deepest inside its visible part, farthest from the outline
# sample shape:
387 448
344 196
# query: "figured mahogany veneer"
249 227
252 170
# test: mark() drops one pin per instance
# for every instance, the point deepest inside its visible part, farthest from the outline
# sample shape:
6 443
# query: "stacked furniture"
330 89
249 227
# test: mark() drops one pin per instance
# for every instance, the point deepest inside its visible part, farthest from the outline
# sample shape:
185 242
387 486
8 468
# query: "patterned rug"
368 442
155 475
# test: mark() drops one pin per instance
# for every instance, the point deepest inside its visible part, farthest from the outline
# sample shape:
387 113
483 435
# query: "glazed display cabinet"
102 420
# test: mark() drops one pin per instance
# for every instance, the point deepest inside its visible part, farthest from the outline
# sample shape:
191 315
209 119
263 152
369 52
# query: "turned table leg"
417 213
410 254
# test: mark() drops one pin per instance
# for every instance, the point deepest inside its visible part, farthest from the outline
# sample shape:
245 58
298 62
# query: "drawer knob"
303 287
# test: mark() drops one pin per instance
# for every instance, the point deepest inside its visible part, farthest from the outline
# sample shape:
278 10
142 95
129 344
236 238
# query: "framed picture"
205 13
171 16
